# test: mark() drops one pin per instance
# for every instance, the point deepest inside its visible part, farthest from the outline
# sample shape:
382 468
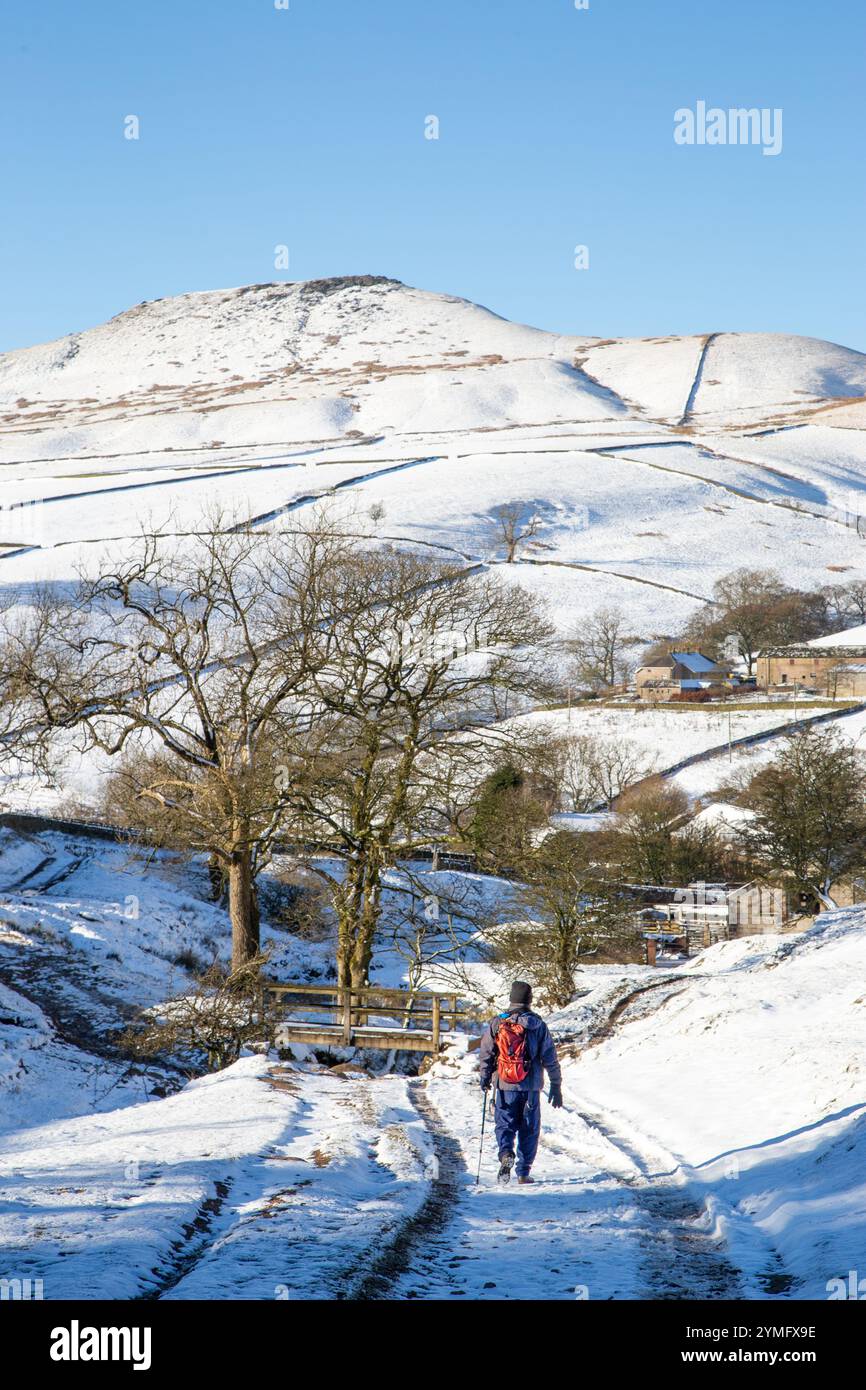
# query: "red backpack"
511 1040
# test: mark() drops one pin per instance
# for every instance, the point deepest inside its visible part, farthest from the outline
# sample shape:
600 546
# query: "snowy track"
680 1257
598 1223
428 1227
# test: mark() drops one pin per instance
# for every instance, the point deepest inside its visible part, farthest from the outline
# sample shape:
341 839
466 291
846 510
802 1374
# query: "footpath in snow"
711 1144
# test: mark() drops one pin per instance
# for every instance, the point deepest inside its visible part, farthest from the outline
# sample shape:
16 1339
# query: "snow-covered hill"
656 464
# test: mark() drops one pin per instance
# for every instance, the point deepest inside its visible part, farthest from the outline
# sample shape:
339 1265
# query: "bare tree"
22 751
846 603
402 699
660 649
431 921
603 650
258 686
513 524
190 660
759 610
596 771
644 840
654 840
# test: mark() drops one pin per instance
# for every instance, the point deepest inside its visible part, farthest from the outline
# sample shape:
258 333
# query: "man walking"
517 1048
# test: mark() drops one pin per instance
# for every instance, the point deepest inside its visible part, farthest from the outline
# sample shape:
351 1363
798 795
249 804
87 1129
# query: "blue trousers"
518 1116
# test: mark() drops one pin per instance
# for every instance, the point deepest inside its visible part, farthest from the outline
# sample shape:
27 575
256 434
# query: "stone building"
833 665
678 672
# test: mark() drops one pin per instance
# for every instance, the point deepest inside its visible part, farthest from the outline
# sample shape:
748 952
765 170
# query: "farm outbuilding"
834 665
700 914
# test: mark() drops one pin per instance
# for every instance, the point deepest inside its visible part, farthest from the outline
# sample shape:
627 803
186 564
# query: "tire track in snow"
432 1254
414 1235
195 1241
682 1258
573 1228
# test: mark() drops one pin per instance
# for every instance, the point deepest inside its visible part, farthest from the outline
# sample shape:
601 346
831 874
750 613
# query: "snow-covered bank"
750 1073
263 1181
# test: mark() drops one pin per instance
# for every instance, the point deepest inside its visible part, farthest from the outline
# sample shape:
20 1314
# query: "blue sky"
305 127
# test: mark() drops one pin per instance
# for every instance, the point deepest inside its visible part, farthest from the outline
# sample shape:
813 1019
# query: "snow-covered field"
654 466
702 778
663 737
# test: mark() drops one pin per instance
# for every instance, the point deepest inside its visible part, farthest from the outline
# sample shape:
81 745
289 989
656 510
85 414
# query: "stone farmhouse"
834 665
680 672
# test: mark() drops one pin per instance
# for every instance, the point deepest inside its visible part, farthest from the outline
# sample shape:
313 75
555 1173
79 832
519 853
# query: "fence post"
345 999
436 1008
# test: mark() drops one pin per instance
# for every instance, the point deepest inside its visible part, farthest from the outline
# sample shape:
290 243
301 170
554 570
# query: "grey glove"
555 1096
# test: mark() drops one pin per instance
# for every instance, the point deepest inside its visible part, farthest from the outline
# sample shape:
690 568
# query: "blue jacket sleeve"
488 1056
549 1059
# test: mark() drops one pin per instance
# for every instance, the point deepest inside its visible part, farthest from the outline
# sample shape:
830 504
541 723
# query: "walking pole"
481 1145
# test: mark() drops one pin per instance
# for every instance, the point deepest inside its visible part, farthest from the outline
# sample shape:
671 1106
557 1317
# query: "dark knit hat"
521 993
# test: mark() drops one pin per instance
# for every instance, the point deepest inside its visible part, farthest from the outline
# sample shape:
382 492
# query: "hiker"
516 1050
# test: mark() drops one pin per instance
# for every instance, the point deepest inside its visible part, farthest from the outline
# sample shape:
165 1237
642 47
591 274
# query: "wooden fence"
362 1017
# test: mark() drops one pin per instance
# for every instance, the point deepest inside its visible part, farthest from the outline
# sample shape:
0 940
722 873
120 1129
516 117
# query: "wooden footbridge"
408 1020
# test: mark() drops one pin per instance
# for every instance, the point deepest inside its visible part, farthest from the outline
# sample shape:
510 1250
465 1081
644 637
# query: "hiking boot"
506 1163
524 1179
